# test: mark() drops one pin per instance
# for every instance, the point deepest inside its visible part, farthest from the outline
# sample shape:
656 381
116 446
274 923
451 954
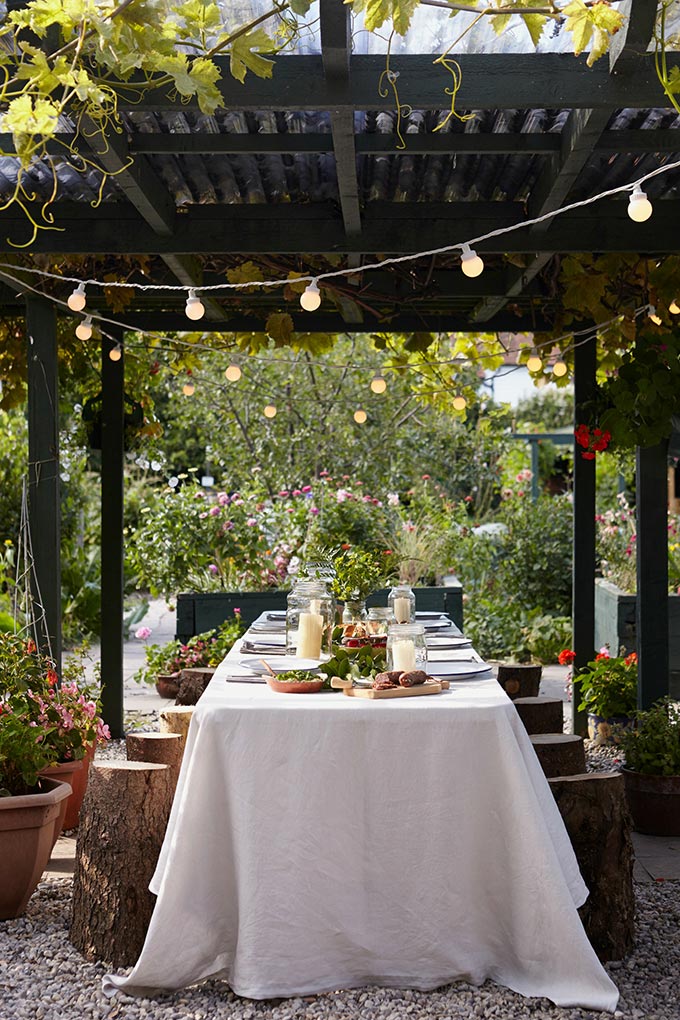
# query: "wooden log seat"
541 715
560 754
519 680
192 683
122 825
158 748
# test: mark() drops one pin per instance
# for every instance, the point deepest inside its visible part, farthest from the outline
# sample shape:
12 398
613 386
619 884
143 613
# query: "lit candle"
310 631
404 654
402 610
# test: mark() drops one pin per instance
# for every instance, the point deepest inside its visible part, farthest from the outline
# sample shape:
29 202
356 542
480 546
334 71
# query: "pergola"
310 163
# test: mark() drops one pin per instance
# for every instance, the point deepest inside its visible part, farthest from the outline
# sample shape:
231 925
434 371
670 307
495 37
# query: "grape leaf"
245 55
279 327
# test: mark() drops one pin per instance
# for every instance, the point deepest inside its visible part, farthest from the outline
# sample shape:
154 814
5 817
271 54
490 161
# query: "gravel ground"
42 977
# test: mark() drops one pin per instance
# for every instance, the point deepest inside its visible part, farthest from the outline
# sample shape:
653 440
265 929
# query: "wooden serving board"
430 687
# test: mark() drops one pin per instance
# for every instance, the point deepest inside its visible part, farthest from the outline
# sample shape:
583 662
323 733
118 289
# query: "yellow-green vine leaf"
247 272
535 24
37 70
499 22
300 7
198 15
380 11
672 81
204 75
595 23
245 55
40 15
279 327
25 117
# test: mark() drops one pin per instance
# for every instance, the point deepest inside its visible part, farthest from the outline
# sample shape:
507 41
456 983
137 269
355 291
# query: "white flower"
393 499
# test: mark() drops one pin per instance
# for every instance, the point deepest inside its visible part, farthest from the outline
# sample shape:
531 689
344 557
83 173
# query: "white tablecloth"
320 842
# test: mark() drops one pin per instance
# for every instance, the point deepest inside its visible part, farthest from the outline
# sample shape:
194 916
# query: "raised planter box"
615 625
198 612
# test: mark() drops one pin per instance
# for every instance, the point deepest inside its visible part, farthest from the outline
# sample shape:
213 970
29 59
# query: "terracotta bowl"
295 686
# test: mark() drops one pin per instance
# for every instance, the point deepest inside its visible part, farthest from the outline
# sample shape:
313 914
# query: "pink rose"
143 633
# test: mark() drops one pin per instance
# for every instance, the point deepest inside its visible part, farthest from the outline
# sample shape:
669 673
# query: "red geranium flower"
566 657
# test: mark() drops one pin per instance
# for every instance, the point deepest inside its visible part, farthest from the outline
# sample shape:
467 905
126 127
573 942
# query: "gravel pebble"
43 977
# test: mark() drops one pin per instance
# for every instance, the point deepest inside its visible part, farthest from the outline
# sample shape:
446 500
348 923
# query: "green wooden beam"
652 573
391 227
113 410
43 473
490 81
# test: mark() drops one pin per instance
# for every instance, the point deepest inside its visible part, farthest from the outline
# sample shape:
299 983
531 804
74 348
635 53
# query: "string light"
653 317
233 372
674 307
639 206
311 299
116 353
459 403
378 383
78 299
560 367
189 388
470 262
270 411
534 362
84 328
360 416
194 308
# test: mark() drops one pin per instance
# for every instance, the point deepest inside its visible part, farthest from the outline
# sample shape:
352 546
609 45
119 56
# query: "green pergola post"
652 573
583 597
43 473
113 378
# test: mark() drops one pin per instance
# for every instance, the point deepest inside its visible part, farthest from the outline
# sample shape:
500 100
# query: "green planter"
615 625
198 612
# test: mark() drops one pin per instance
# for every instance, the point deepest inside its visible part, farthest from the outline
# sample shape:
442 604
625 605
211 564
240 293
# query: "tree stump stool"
520 681
560 754
123 822
192 683
176 719
595 814
158 748
540 715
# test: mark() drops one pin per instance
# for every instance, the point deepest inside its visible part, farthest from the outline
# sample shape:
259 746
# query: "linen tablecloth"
320 842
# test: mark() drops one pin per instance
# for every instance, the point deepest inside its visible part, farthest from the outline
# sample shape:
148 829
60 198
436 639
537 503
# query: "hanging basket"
92 417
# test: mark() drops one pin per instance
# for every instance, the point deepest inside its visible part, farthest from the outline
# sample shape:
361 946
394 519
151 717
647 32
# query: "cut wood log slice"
192 683
158 748
122 826
595 814
560 754
540 715
520 681
176 719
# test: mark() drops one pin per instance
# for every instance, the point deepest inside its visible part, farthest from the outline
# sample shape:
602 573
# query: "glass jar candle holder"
309 621
402 602
406 648
380 618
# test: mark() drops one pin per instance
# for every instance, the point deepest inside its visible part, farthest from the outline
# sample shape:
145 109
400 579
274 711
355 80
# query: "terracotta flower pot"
78 787
27 827
64 772
167 685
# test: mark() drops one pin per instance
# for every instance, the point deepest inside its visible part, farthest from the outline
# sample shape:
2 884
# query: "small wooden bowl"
295 686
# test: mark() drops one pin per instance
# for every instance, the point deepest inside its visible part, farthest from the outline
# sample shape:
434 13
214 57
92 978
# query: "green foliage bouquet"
358 572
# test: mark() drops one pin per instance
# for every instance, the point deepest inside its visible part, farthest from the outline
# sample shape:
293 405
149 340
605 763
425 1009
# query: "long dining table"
319 842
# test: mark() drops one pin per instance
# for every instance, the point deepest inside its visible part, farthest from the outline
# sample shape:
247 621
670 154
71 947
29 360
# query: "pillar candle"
402 610
404 654
310 631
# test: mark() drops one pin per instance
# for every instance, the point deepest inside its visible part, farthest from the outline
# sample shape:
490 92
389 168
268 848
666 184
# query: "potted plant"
165 662
30 805
358 572
652 771
608 694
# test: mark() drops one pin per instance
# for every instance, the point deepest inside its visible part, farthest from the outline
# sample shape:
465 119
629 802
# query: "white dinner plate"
434 641
458 670
440 623
279 663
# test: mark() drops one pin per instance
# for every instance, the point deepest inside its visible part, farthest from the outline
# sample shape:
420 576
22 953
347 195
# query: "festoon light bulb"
470 262
560 367
534 362
84 328
311 298
78 299
232 372
378 383
360 416
194 308
674 307
639 206
653 317
188 388
116 353
270 411
459 403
